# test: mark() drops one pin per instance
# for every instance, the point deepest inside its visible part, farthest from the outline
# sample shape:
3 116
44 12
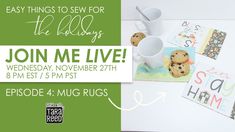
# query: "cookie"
179 56
179 69
136 38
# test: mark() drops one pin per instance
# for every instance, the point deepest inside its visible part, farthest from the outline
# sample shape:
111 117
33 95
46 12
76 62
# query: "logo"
54 113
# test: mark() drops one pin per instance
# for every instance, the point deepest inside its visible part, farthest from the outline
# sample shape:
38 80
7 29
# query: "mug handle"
138 59
141 27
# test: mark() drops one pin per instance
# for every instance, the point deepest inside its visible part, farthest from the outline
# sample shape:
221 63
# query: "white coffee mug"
154 26
150 51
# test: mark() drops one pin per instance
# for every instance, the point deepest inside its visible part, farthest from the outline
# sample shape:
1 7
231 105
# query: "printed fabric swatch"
207 41
171 71
213 89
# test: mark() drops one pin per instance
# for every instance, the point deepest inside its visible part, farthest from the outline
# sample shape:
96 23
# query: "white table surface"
176 114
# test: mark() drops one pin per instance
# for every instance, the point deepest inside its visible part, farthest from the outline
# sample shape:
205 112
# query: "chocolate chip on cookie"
179 56
136 38
179 69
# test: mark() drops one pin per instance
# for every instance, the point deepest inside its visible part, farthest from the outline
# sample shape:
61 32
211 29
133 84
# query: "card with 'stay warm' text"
213 89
